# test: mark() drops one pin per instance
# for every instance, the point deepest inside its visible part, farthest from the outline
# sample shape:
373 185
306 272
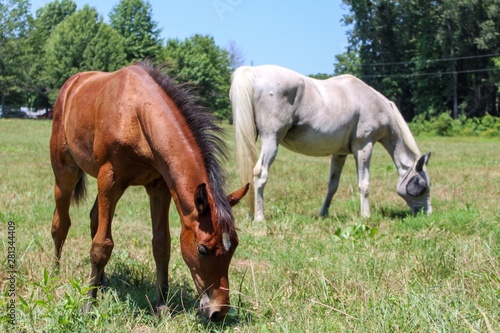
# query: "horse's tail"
80 189
241 95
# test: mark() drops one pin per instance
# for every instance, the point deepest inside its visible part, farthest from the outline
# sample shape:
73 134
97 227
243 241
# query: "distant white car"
32 113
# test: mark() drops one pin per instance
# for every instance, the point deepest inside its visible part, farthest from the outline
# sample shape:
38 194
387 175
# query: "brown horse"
135 127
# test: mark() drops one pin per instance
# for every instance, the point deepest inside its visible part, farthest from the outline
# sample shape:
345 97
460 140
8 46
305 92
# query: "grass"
294 273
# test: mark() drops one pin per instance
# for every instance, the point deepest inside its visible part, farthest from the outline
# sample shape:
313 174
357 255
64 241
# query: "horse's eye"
203 250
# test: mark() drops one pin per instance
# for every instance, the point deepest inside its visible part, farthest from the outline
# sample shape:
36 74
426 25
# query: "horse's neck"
400 142
403 150
175 155
403 158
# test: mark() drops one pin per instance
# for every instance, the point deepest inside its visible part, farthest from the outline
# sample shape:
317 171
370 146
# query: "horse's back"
318 117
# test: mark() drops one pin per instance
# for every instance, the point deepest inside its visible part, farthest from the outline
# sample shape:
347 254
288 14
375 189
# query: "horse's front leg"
109 192
336 166
159 198
362 157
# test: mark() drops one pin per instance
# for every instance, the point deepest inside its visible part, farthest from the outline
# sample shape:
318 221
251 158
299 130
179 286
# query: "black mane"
207 136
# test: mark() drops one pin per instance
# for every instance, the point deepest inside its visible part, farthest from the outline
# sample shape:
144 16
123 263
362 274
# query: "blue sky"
302 35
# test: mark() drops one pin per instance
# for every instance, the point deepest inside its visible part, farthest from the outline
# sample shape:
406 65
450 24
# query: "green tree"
462 38
428 56
14 22
66 45
47 18
81 42
348 63
496 61
106 51
206 66
383 43
133 19
320 76
429 95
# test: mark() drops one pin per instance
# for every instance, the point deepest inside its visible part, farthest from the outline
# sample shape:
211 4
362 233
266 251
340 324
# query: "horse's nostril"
215 316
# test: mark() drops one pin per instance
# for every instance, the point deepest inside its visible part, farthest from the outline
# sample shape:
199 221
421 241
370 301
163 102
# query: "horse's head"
414 186
207 248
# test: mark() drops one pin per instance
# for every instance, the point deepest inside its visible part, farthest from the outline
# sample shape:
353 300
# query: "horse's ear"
201 199
423 160
236 196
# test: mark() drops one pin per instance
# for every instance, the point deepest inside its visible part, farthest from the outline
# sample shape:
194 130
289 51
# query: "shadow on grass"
393 213
354 214
335 217
135 283
140 289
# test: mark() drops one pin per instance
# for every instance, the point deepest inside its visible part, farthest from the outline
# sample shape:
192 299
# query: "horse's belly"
80 143
84 157
312 143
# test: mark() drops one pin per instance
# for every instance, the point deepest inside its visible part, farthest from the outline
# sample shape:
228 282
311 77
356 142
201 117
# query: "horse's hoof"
323 214
162 311
103 286
87 308
259 218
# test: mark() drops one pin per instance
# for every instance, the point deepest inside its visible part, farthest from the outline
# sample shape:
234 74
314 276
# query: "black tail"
80 189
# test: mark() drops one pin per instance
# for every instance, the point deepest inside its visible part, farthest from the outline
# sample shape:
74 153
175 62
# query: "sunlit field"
295 272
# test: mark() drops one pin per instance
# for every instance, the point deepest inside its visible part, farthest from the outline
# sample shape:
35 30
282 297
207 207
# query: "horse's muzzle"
212 310
427 208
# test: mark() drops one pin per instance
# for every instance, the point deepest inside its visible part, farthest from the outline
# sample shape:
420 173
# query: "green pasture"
294 273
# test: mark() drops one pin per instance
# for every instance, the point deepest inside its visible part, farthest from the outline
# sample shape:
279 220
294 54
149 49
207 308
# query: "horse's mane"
207 136
408 138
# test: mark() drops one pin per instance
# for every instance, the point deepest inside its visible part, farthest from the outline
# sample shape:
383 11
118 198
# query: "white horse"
337 117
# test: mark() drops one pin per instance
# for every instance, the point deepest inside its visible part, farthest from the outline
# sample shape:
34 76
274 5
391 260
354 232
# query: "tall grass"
293 273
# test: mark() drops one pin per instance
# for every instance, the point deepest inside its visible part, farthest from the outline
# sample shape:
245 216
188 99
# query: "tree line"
39 53
430 57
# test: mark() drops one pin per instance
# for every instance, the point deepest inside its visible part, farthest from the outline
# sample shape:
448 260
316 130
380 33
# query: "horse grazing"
135 127
337 117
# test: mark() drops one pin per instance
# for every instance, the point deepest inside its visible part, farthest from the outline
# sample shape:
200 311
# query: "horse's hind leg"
261 172
66 180
94 223
159 199
336 166
94 218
